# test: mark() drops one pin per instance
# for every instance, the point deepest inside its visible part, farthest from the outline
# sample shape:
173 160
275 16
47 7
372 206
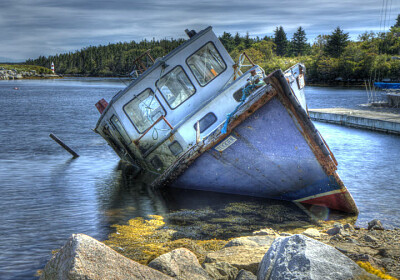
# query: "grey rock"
348 227
375 224
263 240
180 264
266 231
83 257
301 257
221 270
370 238
245 275
241 257
338 228
312 232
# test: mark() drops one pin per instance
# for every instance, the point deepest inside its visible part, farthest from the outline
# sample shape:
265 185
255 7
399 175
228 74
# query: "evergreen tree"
397 21
280 41
227 40
299 42
336 42
237 39
247 41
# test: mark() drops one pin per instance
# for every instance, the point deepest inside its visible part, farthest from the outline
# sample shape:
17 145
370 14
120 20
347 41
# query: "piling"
62 144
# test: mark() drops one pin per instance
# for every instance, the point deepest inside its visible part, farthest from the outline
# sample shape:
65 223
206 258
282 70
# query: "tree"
247 41
397 21
227 40
280 41
299 42
336 42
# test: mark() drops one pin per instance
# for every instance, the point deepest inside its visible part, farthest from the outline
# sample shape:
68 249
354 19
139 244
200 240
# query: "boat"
197 120
391 91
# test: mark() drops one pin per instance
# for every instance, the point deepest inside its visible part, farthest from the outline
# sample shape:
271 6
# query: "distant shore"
16 72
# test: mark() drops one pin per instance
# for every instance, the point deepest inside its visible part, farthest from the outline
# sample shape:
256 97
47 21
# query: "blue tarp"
387 85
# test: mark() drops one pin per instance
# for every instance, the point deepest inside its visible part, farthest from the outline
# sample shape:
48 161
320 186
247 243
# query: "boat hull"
269 151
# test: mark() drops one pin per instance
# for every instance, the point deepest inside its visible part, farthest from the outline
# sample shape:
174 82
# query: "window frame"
165 99
136 96
226 66
209 113
119 132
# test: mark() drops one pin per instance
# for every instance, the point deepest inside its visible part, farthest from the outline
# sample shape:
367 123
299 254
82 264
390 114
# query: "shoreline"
374 249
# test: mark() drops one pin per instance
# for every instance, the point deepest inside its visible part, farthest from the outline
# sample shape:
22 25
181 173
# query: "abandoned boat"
197 122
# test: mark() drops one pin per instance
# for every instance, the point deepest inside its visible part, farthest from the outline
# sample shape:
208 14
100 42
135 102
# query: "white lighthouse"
52 67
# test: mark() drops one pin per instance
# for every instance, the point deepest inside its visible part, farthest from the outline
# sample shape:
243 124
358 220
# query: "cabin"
178 101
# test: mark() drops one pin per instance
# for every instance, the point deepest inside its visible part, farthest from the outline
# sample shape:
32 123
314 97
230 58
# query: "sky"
33 28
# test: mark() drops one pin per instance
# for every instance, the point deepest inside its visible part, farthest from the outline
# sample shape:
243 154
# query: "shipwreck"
197 120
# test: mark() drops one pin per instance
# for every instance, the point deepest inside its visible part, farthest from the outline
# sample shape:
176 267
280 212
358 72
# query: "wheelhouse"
173 104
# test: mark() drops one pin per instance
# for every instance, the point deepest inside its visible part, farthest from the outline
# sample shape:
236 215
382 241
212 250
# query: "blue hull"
270 158
271 150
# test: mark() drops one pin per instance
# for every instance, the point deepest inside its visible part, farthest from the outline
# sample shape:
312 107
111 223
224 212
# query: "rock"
243 252
245 275
266 231
221 270
348 227
241 257
364 258
264 241
390 252
375 224
337 228
312 232
369 238
83 257
180 264
301 257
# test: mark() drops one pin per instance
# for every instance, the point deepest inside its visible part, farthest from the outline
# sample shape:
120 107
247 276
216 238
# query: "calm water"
45 196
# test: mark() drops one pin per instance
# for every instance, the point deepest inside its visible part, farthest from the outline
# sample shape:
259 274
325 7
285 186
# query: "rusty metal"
248 58
141 67
167 122
147 130
326 144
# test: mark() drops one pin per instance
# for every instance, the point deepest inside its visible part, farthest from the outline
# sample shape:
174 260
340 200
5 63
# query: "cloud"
43 27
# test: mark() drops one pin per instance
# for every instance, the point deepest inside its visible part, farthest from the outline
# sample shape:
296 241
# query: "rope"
246 92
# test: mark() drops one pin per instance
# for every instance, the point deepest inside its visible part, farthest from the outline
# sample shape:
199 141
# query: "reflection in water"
230 215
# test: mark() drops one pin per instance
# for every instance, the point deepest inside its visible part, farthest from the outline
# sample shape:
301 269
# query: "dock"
388 122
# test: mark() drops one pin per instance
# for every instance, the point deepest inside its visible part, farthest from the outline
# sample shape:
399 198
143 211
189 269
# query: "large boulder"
221 271
245 275
180 264
83 257
301 257
242 252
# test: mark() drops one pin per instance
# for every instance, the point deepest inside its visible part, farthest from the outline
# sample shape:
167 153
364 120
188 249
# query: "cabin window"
206 121
206 64
144 110
175 87
120 129
175 148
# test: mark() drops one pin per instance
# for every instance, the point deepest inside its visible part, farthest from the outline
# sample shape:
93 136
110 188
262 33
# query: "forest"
331 58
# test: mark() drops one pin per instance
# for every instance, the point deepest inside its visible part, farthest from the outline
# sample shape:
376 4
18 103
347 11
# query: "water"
45 196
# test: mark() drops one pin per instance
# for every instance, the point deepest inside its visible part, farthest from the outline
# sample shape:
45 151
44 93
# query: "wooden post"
61 143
